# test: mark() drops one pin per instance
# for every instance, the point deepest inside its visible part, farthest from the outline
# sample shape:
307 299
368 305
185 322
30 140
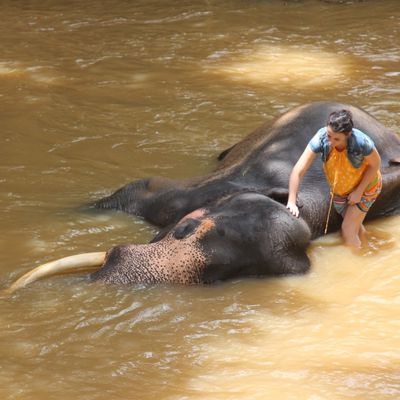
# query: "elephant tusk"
72 264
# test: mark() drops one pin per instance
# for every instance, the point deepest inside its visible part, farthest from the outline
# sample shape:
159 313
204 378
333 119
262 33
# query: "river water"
96 94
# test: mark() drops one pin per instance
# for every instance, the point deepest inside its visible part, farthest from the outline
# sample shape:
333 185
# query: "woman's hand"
354 198
292 207
297 173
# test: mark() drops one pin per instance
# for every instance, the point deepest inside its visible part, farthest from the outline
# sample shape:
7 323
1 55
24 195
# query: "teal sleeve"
368 146
315 143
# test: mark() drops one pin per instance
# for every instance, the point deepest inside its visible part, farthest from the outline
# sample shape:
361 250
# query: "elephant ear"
287 260
286 242
296 263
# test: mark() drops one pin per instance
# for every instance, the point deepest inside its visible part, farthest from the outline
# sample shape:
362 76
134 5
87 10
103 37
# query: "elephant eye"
186 228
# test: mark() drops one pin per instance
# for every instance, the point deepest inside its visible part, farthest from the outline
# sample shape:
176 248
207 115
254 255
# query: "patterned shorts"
368 198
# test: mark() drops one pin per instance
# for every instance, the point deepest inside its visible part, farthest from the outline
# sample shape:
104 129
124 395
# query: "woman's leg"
362 234
352 226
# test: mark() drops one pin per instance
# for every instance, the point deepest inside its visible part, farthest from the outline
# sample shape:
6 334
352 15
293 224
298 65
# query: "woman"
352 167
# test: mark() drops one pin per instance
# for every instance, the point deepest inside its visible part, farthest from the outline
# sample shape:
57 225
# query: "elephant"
233 222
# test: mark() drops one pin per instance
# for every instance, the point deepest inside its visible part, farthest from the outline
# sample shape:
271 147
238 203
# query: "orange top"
343 178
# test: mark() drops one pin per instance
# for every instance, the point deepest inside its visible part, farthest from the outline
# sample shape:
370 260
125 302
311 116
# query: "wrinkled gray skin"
233 222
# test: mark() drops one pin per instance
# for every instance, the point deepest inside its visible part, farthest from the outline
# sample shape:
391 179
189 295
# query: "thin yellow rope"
329 213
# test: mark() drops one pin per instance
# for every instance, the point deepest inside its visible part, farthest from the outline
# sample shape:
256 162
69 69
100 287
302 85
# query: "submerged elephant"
233 222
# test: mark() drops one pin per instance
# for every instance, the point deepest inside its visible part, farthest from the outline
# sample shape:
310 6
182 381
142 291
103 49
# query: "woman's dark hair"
341 121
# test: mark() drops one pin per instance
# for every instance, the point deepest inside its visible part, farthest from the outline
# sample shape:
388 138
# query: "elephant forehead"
176 260
182 261
169 260
206 225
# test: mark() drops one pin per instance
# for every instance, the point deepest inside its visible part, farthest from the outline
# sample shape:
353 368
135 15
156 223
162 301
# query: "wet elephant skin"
233 222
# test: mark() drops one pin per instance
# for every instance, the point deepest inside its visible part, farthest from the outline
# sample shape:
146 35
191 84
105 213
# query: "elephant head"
245 234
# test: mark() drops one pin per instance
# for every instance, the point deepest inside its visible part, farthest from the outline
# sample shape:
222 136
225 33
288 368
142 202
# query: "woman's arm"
374 164
300 168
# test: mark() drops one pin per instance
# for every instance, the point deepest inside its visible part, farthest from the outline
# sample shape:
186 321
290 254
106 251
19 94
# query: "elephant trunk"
72 264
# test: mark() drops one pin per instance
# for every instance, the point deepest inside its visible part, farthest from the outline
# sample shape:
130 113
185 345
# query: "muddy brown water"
96 94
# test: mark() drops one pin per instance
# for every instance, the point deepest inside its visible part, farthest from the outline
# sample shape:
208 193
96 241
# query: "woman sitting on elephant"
352 167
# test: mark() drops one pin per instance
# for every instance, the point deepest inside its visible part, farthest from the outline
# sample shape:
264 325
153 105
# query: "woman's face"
337 139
